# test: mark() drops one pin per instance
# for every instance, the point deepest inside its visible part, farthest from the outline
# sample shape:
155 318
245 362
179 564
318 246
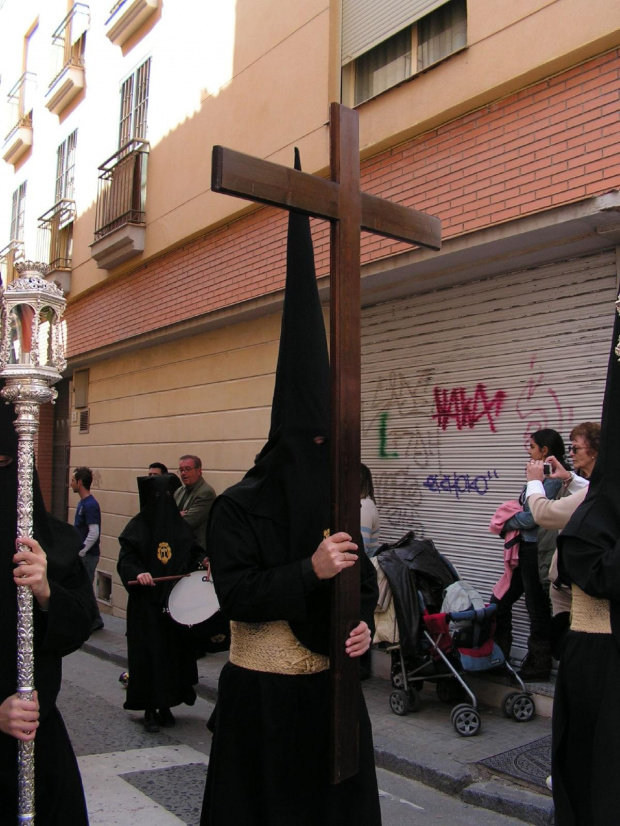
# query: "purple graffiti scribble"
467 411
546 409
460 483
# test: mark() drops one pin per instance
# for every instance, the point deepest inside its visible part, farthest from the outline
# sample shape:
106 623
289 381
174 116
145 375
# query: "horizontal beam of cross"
234 173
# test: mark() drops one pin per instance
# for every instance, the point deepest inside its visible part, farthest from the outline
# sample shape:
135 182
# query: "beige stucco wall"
271 84
209 395
258 76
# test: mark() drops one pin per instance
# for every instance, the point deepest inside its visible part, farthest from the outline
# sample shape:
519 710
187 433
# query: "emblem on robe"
164 553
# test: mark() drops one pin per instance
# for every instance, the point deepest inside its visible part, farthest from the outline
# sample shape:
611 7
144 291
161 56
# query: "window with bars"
415 47
134 105
65 168
18 212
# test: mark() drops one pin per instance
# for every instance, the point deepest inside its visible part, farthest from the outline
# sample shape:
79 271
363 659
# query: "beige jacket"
554 514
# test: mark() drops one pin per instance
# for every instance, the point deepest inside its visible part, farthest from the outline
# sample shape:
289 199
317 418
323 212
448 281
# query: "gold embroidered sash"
272 647
588 614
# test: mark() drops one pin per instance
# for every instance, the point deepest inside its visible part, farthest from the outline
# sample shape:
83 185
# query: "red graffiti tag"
539 406
467 411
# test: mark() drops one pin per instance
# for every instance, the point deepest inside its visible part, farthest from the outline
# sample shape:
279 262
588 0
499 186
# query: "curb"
449 782
449 777
101 654
529 806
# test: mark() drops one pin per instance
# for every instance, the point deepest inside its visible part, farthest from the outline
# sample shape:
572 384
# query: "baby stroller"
444 632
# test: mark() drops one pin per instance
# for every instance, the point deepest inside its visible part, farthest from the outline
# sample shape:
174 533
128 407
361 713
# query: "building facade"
500 119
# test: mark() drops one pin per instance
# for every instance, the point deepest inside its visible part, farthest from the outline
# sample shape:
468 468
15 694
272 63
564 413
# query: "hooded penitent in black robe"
586 708
158 541
59 798
269 758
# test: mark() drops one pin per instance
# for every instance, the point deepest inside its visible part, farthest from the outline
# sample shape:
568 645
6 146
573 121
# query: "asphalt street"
158 779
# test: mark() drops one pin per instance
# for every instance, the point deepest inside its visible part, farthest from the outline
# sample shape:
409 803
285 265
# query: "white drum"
193 600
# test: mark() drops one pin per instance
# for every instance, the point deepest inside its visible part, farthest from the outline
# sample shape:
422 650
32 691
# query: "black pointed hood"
159 535
589 545
301 394
290 482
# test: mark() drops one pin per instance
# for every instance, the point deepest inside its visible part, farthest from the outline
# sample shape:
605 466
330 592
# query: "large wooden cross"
340 201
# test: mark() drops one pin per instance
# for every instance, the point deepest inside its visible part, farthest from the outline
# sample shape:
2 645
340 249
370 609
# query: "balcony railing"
68 41
20 101
9 256
121 194
116 8
55 235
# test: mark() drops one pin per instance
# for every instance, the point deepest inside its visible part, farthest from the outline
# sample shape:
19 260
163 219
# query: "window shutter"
141 100
60 171
14 214
69 189
80 388
80 21
365 23
126 111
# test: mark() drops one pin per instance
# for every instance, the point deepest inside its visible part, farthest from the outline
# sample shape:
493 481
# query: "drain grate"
531 762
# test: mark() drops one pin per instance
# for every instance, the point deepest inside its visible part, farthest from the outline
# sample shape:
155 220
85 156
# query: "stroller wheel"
449 691
508 701
399 702
523 708
466 720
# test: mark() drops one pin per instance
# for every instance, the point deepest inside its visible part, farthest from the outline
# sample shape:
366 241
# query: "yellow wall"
258 76
209 395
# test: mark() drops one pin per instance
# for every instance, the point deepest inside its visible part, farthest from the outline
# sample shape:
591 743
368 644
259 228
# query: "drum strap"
272 647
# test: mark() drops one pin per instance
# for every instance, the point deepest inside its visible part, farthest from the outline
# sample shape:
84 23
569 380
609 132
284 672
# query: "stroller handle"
478 614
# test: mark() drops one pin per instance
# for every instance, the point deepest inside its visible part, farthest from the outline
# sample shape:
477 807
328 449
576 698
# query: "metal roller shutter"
453 383
365 23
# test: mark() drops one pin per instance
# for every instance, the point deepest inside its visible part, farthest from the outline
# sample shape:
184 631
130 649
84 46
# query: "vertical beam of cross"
345 356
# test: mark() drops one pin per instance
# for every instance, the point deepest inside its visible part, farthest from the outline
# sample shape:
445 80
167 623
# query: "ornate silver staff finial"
32 356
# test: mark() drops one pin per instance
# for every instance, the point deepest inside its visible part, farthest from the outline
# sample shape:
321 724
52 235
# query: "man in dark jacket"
195 498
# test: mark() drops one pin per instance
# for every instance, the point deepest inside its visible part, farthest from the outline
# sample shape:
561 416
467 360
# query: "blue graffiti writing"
460 483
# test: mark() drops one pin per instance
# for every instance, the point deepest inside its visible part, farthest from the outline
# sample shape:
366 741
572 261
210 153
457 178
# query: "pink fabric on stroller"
511 543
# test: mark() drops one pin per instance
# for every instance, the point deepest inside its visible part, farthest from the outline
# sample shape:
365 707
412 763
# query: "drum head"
193 599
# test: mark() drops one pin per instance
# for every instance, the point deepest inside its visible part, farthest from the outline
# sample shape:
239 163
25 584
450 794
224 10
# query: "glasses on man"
186 469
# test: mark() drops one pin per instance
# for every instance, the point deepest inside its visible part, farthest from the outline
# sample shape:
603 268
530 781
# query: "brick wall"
548 145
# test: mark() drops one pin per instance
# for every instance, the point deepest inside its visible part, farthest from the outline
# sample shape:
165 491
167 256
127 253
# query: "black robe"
162 662
586 711
59 797
269 757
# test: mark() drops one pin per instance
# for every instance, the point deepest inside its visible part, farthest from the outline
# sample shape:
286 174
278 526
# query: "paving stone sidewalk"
423 745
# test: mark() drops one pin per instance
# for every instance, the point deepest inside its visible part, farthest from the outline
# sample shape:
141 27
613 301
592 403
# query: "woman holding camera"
526 577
